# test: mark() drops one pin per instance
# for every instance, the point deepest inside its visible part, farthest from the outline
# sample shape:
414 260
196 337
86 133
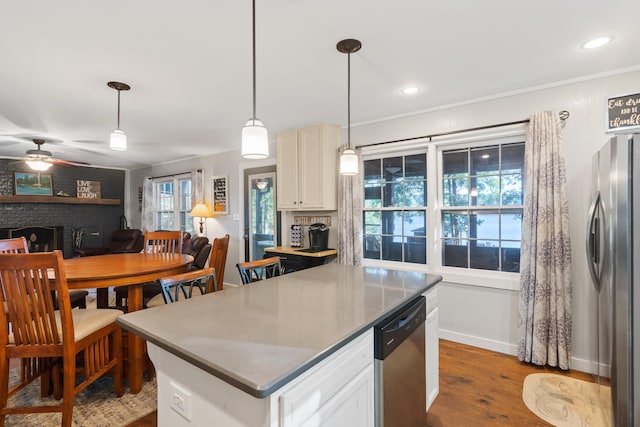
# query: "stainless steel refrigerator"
613 249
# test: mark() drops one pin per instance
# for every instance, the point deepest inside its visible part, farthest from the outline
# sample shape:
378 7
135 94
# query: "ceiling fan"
40 160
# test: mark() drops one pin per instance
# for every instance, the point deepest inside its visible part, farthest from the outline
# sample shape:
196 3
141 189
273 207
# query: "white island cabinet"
336 392
294 350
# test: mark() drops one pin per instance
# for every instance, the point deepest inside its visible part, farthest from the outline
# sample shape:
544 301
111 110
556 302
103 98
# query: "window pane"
414 223
415 250
372 222
372 196
372 247
415 193
455 226
165 221
415 166
485 225
393 195
372 171
392 222
511 259
455 255
511 225
391 248
484 257
455 163
455 192
513 158
512 190
486 191
185 199
392 168
485 161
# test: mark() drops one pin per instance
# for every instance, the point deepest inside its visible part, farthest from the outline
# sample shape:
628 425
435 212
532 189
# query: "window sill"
486 279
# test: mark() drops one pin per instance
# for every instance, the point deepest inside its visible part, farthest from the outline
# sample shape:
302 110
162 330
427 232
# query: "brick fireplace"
39 239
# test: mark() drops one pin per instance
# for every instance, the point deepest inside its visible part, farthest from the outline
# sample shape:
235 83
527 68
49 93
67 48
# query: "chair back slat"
219 258
254 271
29 286
163 242
181 286
17 245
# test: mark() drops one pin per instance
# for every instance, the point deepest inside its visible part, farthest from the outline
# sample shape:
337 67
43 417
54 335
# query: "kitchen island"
281 352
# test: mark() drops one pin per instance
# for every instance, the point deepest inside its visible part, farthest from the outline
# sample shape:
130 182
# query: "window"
454 208
481 214
174 204
395 208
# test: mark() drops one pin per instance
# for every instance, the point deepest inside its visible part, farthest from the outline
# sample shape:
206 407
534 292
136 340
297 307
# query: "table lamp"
201 210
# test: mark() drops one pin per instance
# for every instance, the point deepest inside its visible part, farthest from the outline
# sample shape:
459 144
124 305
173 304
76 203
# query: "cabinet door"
312 170
287 170
432 359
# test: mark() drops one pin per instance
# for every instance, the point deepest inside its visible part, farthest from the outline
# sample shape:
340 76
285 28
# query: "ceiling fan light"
348 162
255 140
118 140
38 165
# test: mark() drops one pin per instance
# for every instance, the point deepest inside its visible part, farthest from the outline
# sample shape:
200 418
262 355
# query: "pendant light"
255 140
349 159
118 140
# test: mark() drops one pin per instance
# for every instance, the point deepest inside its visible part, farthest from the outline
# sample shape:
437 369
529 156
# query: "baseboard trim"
576 364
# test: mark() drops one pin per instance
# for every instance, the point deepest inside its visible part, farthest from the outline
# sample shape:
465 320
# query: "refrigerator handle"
593 241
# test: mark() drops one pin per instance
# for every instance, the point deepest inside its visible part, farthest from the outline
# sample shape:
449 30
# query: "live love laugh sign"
623 113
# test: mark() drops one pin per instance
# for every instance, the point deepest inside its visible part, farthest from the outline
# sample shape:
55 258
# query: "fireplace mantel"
58 199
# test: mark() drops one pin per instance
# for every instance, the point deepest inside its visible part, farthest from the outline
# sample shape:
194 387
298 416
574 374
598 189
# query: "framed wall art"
32 184
220 195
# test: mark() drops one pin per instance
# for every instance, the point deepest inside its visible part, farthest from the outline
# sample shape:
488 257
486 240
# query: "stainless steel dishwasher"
400 377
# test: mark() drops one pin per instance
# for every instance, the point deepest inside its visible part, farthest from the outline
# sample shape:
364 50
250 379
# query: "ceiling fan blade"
63 162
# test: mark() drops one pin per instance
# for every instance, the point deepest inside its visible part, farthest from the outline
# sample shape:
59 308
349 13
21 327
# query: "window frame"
434 148
178 208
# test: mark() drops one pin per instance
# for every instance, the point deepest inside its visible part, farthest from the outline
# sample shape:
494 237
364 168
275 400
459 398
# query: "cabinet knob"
300 201
295 203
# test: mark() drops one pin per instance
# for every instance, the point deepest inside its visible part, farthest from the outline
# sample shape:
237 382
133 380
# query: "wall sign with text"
220 195
623 113
88 189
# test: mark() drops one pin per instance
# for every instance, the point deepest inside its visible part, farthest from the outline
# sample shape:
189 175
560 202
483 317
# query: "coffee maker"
318 237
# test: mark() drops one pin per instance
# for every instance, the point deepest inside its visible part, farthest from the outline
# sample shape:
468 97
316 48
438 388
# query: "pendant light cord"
349 100
118 108
254 59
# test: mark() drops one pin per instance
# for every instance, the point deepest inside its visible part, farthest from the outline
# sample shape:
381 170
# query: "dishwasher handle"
389 334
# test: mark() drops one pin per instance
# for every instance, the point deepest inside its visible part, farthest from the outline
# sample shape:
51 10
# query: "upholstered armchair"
122 241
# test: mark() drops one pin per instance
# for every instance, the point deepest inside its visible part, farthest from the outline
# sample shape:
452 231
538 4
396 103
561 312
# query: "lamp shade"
348 162
255 140
200 210
118 140
38 165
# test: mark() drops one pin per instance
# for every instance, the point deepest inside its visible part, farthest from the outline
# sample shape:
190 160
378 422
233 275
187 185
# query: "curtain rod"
564 115
173 174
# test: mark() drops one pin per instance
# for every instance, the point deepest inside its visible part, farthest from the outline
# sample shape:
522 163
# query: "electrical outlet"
180 401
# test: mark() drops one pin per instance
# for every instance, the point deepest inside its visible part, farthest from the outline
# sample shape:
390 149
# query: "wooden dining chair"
166 242
185 286
86 342
157 242
219 258
254 271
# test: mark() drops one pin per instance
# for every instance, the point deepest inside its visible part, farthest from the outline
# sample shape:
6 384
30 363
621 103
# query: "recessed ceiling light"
600 41
409 90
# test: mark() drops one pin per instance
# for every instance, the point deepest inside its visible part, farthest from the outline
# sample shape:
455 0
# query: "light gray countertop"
259 337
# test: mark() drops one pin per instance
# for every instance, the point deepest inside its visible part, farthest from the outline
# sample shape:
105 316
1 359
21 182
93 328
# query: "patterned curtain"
544 327
350 216
197 180
148 205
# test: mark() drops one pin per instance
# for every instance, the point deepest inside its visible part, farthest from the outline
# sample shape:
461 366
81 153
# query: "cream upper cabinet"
307 174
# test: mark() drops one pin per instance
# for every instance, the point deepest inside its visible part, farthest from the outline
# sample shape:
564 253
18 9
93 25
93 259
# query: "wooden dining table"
132 270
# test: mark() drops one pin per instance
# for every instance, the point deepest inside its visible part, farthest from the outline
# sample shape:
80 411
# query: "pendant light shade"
255 139
349 158
118 139
38 165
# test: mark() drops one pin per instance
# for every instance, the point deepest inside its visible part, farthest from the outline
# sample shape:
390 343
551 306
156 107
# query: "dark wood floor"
477 388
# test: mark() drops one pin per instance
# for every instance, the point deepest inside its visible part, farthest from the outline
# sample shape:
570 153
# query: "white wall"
479 316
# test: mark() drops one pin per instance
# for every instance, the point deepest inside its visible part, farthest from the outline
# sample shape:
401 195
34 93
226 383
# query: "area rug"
567 402
95 406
